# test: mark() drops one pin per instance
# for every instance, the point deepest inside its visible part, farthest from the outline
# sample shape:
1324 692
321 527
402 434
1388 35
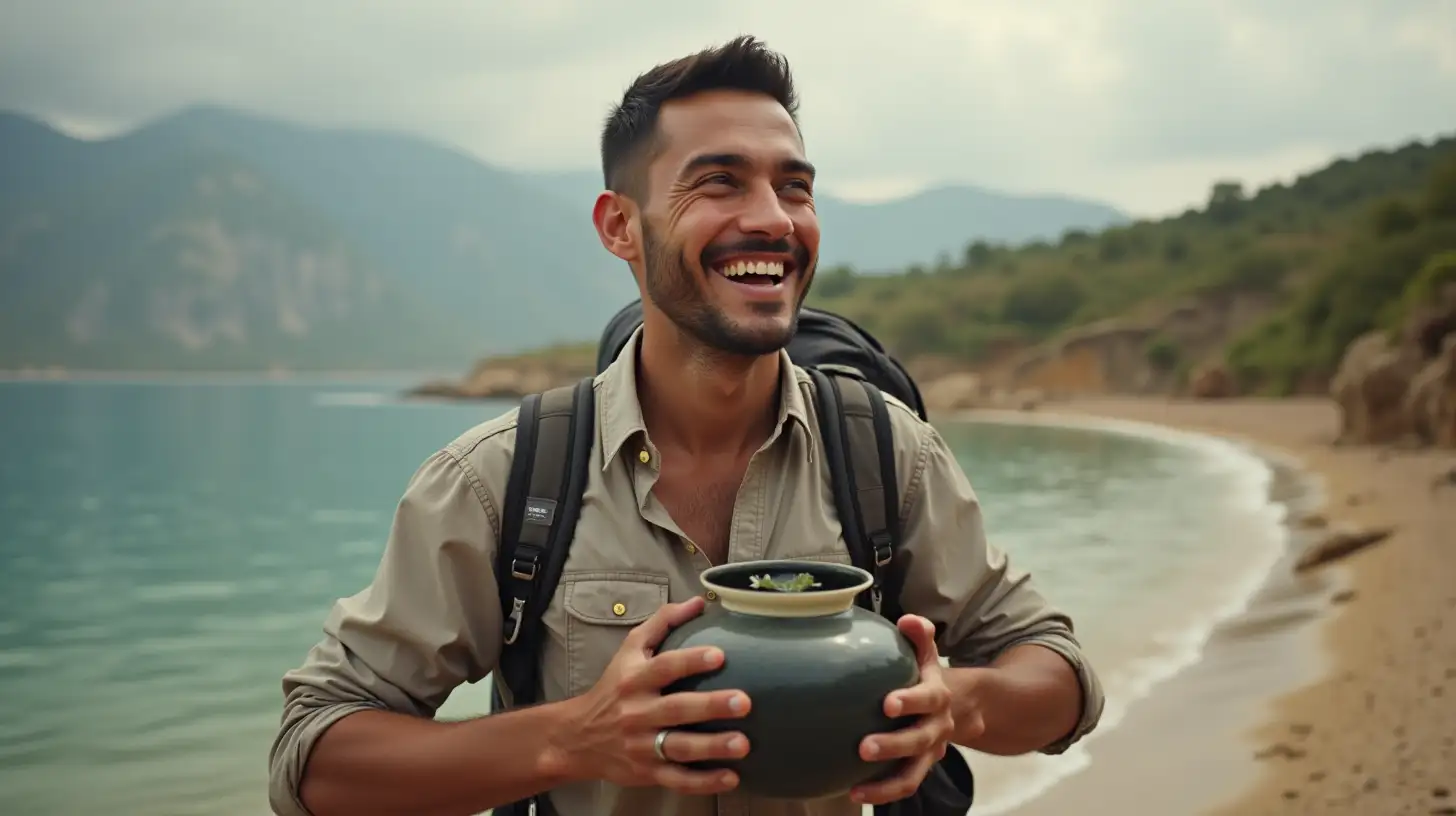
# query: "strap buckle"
884 553
524 570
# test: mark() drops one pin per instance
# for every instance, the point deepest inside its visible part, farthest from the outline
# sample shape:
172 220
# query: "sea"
170 547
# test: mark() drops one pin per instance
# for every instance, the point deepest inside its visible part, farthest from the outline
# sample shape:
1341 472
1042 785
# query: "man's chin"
755 337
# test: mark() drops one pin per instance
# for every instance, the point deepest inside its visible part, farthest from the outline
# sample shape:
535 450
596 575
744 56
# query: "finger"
896 787
688 746
666 668
907 742
701 783
650 633
921 633
922 698
685 707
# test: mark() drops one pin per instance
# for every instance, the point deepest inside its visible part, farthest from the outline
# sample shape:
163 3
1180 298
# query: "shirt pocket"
600 611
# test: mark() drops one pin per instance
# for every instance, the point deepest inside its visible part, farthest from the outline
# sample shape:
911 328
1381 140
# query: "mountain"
940 222
506 264
218 238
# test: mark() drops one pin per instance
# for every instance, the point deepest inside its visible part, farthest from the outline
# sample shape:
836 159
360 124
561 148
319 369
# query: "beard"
671 285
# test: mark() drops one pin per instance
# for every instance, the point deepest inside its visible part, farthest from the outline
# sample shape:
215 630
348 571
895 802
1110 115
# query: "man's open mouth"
754 273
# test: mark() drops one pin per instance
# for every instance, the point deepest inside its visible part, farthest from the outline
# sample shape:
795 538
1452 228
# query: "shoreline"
1284 493
1275 715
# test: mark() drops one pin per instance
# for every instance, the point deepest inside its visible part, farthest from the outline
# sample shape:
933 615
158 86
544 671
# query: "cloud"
1130 101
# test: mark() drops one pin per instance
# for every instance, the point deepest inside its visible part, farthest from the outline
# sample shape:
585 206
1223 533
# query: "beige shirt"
431 619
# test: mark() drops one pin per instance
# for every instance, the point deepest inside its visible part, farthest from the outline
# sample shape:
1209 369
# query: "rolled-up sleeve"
981 604
428 622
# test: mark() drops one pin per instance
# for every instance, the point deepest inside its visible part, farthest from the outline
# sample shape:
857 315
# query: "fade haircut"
630 138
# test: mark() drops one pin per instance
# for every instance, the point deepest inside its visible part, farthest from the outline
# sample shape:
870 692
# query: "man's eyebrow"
707 160
797 166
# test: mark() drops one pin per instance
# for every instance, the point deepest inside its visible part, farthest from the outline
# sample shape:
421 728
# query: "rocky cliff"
1401 387
515 376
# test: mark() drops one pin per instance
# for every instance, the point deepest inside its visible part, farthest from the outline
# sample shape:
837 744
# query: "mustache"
712 255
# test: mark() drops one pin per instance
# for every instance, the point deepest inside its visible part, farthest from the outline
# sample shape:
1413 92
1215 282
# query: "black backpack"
851 372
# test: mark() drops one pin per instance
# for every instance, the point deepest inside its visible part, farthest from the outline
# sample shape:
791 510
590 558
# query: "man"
706 453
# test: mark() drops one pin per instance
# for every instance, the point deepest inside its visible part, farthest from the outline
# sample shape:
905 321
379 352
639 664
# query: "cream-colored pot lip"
783 604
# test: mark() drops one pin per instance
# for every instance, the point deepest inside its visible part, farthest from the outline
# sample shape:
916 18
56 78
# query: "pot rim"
816 603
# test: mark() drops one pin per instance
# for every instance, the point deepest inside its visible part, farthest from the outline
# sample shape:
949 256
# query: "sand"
1335 691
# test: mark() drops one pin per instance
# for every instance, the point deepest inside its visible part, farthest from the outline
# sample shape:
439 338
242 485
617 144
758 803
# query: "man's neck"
703 402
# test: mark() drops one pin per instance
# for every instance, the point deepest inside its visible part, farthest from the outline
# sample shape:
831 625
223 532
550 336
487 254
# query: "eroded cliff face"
1138 354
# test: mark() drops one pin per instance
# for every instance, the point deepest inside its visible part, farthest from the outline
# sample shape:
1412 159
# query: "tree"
977 254
1441 191
1226 201
1044 302
1392 217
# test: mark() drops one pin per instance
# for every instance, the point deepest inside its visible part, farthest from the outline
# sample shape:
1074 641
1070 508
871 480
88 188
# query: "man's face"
730 236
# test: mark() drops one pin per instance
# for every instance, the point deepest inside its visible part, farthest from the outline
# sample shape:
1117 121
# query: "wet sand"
1335 691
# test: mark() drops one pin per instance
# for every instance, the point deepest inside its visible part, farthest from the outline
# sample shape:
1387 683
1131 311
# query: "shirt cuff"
290 756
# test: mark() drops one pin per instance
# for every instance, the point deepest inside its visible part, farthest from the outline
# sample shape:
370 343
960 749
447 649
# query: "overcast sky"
1142 103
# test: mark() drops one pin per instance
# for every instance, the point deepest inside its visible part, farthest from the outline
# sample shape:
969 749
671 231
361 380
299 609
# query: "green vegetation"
1336 253
802 582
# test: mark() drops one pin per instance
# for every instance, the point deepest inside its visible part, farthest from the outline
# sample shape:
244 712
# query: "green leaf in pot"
784 583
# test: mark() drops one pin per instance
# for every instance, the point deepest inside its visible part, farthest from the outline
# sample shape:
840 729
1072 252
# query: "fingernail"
737 744
712 657
894 706
737 703
872 750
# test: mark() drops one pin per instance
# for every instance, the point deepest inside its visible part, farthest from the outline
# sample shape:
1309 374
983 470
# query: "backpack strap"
859 446
554 435
854 422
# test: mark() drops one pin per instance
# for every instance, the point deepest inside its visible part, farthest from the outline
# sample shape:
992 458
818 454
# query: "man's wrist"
558 764
1028 698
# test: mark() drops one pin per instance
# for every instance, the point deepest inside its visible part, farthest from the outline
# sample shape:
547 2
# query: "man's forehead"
753 127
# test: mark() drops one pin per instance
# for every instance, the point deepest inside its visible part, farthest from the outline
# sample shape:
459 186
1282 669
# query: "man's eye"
718 178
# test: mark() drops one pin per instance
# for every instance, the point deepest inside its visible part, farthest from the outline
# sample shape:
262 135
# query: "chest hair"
701 499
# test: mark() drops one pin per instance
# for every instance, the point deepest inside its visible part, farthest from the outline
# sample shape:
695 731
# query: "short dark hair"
630 131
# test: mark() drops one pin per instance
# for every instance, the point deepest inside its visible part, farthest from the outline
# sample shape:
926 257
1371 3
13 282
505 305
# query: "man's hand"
612 727
922 744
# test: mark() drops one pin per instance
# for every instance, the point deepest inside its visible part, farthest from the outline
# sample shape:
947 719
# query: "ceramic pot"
815 667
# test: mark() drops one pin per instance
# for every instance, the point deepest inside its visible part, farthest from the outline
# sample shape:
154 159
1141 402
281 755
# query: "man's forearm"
1028 698
384 762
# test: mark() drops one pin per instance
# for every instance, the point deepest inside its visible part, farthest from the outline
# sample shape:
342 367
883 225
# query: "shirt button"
691 549
644 457
619 609
712 596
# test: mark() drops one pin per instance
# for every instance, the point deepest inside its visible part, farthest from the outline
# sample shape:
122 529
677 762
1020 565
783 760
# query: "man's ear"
617 221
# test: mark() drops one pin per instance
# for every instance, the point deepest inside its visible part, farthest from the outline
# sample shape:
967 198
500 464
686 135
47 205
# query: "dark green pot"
815 667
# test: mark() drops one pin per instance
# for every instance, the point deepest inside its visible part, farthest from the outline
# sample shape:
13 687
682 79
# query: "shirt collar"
620 411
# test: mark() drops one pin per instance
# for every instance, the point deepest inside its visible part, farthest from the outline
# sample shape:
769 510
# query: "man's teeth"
740 268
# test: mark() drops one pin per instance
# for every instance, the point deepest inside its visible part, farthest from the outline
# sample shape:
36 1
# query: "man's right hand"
610 729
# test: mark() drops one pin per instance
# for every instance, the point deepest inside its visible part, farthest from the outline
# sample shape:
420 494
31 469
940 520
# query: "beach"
1334 690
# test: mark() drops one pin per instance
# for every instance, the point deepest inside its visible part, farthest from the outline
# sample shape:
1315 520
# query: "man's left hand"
922 744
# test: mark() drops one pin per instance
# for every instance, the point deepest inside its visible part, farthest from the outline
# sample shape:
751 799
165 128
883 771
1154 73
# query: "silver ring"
657 745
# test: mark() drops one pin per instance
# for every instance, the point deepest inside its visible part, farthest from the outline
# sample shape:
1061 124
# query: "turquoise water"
169 549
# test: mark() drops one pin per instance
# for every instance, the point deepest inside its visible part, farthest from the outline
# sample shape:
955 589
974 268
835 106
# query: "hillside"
1276 284
199 262
463 258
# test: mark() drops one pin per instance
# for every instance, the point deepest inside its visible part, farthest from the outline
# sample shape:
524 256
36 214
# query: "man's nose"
764 214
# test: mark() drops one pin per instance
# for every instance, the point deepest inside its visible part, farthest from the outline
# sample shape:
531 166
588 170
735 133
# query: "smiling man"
706 451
